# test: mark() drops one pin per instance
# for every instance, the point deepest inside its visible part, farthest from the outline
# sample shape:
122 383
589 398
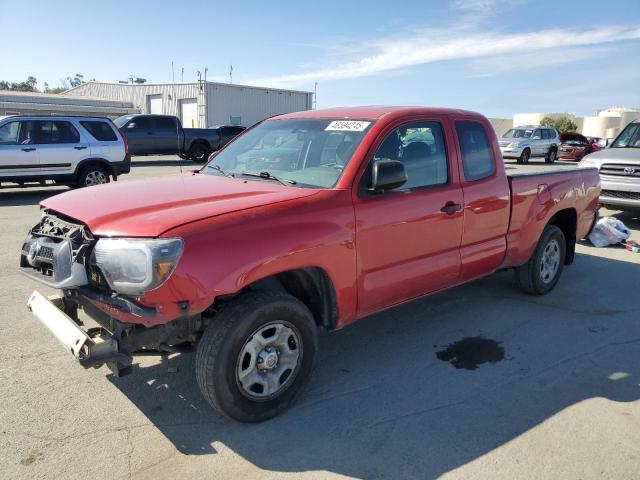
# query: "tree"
562 125
29 85
76 80
566 124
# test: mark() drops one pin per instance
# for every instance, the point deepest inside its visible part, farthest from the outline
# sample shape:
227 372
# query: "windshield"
304 152
629 138
518 133
120 121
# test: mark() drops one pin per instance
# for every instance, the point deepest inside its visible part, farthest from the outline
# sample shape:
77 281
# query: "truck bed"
535 197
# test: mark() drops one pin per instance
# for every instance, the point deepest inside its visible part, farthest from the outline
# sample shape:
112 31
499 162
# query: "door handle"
28 149
450 208
80 147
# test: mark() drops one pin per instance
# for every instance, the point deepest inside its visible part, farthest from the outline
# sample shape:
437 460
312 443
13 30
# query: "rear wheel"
551 156
541 273
199 152
92 175
524 156
256 355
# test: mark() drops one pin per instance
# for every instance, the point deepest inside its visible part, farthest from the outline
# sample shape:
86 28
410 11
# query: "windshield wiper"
269 176
220 169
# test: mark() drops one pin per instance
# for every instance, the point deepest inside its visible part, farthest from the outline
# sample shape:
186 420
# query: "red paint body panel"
378 251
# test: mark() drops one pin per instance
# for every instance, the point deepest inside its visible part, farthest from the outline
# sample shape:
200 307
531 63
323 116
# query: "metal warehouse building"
202 104
31 103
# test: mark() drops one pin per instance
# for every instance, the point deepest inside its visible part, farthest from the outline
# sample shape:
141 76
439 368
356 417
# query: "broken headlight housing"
133 266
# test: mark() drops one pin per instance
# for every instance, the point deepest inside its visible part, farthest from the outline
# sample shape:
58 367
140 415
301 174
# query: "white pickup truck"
619 167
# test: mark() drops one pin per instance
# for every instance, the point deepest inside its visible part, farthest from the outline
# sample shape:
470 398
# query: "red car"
574 146
306 221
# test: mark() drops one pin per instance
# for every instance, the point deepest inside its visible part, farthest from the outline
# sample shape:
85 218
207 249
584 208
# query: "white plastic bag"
608 231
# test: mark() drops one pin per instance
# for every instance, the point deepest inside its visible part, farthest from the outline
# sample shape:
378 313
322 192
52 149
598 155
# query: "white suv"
79 151
525 142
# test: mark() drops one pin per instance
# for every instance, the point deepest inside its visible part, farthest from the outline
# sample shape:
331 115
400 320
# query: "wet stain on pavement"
470 352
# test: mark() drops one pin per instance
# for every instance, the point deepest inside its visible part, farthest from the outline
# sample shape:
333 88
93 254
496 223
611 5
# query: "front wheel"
541 273
256 355
551 156
524 156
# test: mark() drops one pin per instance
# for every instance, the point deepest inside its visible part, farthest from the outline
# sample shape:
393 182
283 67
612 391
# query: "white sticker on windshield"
347 126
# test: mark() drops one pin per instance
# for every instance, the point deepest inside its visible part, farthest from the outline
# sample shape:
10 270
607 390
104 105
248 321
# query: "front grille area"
52 248
620 170
622 195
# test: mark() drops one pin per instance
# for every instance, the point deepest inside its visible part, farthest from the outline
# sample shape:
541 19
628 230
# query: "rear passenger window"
101 131
48 132
420 146
477 157
163 123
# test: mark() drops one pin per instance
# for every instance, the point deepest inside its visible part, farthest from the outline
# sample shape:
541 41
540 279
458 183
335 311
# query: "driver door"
408 239
19 155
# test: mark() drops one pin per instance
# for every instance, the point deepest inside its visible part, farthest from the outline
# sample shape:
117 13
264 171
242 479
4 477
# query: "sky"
498 57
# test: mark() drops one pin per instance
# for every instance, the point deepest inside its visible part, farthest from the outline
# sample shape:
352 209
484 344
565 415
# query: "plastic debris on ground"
608 231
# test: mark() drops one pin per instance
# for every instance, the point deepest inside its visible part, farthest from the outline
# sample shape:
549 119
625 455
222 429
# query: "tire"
92 175
227 352
541 273
524 157
551 156
199 152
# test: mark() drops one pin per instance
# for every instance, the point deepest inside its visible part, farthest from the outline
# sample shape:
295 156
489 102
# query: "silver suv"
619 166
79 151
529 141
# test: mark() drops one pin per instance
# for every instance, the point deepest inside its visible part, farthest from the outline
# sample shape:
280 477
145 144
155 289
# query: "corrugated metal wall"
217 102
137 94
251 104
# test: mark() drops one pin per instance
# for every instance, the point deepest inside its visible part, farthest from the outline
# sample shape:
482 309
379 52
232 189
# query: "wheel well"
567 221
200 141
94 161
312 286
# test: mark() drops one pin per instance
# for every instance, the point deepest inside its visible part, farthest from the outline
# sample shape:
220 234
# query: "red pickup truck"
307 220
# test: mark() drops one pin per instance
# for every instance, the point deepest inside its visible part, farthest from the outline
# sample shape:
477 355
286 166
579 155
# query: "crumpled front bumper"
92 347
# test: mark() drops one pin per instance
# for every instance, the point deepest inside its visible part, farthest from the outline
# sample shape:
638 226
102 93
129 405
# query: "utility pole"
315 96
231 73
205 73
182 75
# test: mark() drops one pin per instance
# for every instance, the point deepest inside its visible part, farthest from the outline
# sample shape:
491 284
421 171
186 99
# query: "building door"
154 104
189 112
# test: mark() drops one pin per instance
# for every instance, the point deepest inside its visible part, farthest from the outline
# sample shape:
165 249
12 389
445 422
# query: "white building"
202 104
607 123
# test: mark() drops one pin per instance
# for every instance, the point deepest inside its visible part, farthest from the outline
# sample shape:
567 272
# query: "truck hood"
147 208
616 155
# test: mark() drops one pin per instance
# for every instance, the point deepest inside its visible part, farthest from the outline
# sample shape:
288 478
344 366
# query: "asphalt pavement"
481 381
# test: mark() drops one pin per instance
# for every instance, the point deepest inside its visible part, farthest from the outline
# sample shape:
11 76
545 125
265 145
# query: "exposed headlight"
514 144
134 266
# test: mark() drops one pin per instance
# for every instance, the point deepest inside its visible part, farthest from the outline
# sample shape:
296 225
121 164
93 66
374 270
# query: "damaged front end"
61 253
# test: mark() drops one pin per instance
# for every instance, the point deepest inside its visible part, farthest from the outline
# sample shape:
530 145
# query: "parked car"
78 151
164 135
574 146
619 167
308 220
523 143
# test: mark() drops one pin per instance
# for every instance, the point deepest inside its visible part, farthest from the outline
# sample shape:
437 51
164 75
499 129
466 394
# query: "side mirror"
535 137
387 175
